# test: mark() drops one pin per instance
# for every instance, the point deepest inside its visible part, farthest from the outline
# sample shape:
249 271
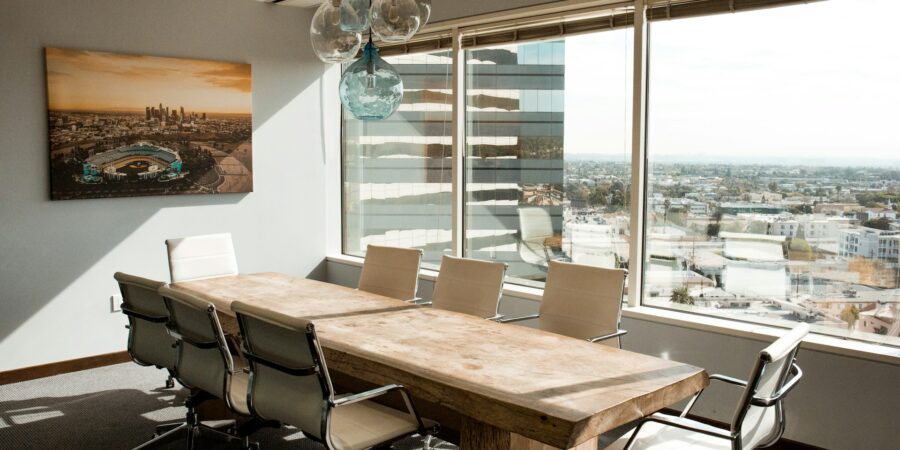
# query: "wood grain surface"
507 380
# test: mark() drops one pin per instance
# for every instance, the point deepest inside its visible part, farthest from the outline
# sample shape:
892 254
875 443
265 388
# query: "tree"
712 230
881 223
666 205
850 314
681 296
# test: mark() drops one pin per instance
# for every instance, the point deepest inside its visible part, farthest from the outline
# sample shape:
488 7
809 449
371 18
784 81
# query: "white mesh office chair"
535 226
469 286
758 420
199 257
391 272
583 302
204 363
149 344
289 382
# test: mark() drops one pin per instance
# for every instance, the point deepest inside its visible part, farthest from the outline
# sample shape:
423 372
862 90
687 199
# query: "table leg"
476 435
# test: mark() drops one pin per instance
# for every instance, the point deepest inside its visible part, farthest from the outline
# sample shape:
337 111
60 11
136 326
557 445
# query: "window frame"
638 210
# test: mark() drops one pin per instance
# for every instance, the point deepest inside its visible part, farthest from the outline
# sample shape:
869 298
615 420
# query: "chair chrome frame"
320 370
616 334
132 317
192 425
734 434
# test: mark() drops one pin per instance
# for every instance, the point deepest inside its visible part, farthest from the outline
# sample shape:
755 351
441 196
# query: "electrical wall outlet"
115 301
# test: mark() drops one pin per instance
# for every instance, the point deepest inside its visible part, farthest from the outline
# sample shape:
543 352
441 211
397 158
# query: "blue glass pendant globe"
371 89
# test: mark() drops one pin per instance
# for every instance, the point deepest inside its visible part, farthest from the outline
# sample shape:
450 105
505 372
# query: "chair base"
228 431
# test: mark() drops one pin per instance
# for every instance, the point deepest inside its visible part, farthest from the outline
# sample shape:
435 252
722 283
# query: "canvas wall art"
131 125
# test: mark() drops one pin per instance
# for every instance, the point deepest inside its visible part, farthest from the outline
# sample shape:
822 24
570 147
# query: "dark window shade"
608 20
676 9
526 33
618 18
427 44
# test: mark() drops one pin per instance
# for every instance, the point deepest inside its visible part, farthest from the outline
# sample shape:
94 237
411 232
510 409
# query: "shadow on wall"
45 246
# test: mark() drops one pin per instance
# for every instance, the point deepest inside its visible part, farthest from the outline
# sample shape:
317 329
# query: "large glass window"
773 182
773 177
547 153
397 172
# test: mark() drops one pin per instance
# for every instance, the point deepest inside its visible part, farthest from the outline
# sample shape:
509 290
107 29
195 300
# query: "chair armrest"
132 313
608 336
727 379
689 424
713 377
379 391
516 319
788 385
356 398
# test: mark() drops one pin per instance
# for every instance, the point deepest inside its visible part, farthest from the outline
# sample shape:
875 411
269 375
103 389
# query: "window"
397 185
772 181
772 185
547 154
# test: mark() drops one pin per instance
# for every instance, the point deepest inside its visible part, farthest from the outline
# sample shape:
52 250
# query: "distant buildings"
870 243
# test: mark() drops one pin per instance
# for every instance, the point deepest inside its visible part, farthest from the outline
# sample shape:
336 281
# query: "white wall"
57 258
841 402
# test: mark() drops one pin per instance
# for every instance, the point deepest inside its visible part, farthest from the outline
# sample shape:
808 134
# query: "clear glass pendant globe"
329 41
371 89
355 15
425 10
395 20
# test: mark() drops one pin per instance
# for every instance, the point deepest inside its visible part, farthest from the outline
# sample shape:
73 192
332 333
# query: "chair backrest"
469 286
535 223
289 381
391 271
203 360
759 418
149 343
582 301
199 257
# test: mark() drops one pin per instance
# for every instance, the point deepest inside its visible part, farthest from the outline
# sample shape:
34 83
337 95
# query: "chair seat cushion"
657 436
365 424
237 391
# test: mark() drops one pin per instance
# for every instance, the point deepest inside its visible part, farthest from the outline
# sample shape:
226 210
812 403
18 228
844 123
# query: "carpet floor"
112 407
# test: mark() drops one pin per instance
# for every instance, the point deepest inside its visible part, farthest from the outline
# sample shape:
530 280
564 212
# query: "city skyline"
81 80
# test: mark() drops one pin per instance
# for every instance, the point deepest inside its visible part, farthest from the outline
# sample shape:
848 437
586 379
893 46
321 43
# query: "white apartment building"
870 243
813 227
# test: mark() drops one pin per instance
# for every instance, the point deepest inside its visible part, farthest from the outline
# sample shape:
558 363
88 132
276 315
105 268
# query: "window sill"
814 342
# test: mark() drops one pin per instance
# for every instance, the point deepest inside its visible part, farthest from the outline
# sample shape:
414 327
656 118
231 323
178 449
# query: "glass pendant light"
355 15
331 43
425 10
371 89
395 20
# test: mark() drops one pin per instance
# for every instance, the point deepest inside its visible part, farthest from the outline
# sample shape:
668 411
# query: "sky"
819 81
96 81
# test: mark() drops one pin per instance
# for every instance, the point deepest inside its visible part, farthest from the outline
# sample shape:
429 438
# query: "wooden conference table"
516 387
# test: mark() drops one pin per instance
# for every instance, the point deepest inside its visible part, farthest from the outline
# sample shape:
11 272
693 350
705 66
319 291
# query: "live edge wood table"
516 387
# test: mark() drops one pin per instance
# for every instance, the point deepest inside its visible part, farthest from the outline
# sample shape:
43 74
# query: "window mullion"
638 156
458 152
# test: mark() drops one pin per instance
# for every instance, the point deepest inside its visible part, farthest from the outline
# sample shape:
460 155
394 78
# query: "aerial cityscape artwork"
131 125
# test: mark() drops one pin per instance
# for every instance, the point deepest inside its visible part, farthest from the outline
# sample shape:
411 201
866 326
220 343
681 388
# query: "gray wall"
841 403
57 258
